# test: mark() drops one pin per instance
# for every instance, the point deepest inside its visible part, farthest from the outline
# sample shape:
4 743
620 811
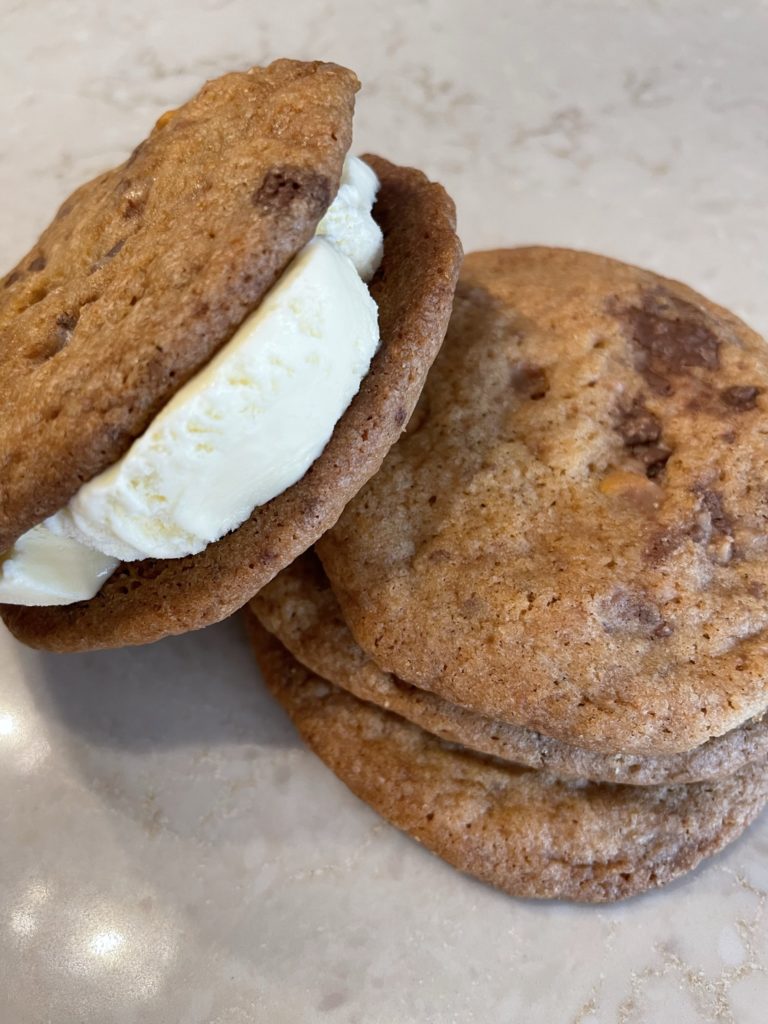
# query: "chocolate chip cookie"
300 609
527 832
571 535
145 273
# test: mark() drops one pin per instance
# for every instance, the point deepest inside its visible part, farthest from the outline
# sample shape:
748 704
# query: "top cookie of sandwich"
148 269
572 534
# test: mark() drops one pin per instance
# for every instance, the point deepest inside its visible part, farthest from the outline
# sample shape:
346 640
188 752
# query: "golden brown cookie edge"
455 803
300 609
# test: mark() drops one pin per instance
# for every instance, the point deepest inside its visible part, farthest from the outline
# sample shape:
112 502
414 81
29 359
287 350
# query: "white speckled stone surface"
168 851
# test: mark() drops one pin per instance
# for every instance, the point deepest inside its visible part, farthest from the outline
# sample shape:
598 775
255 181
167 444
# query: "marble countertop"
168 851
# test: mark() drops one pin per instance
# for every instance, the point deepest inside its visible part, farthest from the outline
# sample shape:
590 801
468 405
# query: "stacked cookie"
536 639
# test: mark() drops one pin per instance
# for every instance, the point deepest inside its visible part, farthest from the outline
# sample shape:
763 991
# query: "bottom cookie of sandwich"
521 830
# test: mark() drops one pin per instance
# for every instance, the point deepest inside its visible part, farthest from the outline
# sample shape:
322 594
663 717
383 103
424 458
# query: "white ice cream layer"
246 427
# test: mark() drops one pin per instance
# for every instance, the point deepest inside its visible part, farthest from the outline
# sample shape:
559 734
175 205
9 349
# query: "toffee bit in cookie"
632 488
163 120
720 550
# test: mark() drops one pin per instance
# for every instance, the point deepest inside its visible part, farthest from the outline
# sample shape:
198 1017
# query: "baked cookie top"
148 269
526 832
300 609
572 534
413 289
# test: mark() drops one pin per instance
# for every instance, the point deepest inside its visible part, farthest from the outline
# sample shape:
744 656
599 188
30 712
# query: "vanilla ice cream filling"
245 428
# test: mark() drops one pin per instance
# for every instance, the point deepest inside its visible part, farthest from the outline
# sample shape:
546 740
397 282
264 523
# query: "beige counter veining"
169 852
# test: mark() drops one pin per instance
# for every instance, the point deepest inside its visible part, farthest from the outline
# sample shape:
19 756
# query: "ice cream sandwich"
206 355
